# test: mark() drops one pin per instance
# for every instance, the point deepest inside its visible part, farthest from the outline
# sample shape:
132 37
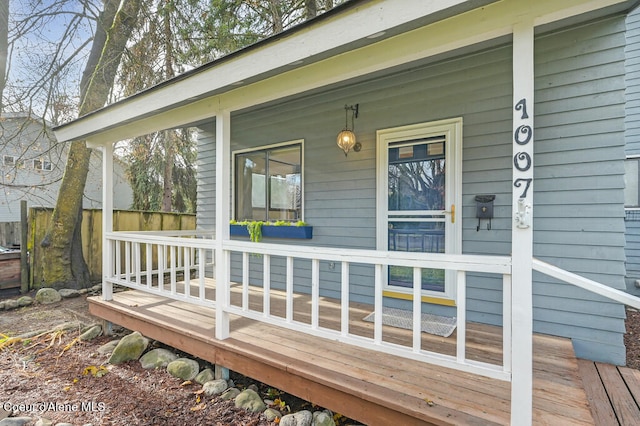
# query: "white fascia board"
340 30
574 9
168 119
478 25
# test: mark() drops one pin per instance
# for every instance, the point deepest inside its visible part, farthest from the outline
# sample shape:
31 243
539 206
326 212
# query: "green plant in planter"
254 227
287 223
255 230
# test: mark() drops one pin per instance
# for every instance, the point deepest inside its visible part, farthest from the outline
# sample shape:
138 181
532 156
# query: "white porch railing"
587 284
163 264
378 260
174 264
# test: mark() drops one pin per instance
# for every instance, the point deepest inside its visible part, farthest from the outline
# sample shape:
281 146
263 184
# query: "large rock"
157 358
68 293
91 333
108 348
301 418
47 296
16 421
25 301
69 325
205 376
230 393
323 418
249 400
10 304
215 387
184 368
129 348
272 414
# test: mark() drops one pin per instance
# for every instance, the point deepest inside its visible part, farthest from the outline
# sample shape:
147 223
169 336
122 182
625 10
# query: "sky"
43 35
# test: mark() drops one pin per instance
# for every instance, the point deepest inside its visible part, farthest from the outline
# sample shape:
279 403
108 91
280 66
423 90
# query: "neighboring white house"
33 163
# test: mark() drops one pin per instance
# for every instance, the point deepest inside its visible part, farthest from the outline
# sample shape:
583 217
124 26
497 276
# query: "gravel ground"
632 338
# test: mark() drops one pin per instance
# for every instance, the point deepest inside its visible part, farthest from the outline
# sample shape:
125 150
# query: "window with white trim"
40 164
8 160
268 183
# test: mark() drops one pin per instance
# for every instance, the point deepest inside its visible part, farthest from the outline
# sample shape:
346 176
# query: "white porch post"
522 225
223 197
107 219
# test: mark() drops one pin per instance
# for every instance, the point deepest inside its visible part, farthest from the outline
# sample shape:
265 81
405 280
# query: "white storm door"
419 188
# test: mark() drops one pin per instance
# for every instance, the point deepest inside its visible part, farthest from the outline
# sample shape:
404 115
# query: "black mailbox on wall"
484 209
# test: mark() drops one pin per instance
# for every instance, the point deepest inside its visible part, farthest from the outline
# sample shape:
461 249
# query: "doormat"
432 324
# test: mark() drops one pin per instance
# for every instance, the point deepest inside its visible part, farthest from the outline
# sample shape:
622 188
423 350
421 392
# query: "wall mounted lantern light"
346 138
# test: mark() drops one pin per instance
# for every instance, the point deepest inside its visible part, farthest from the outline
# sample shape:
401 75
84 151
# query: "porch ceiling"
329 50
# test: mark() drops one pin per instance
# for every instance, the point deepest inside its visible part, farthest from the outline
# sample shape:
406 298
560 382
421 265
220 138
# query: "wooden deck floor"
613 393
368 386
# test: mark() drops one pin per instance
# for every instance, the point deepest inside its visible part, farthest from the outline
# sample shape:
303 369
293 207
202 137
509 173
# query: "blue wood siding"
579 183
206 163
632 143
579 151
632 53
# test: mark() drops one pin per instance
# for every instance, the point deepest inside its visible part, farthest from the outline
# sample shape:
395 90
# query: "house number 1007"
522 160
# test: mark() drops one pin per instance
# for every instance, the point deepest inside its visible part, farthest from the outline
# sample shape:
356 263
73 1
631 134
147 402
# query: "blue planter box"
271 231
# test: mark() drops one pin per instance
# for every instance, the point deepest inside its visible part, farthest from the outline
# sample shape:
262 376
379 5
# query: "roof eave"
339 47
334 32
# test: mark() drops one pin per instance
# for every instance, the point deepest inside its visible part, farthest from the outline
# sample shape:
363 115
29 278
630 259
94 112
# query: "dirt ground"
42 378
47 377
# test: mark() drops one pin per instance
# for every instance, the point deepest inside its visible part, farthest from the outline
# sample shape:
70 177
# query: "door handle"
451 212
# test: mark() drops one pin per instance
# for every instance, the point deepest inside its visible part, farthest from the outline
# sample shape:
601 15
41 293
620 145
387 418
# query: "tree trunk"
276 16
167 192
4 47
310 9
105 21
167 135
63 262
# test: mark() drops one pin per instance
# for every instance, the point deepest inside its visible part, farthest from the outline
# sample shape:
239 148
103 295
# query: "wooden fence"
10 234
9 270
39 219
